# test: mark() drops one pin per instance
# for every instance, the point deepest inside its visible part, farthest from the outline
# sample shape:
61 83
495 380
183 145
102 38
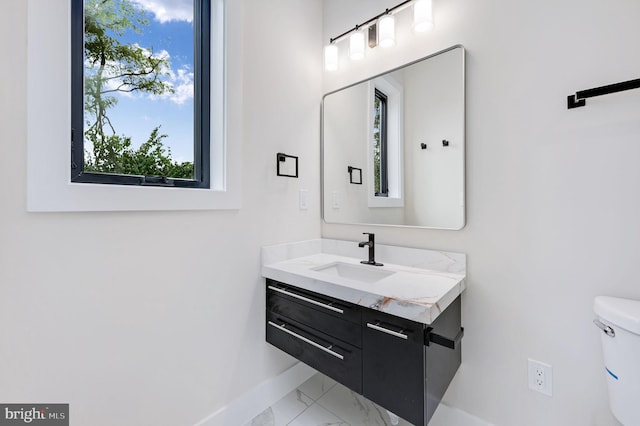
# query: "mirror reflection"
403 132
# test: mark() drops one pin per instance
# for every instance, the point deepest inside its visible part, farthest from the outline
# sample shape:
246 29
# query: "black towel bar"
579 99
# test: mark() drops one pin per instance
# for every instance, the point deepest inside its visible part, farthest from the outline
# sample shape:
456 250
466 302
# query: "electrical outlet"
540 377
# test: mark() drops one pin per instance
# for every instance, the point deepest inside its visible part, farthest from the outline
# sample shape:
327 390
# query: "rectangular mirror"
405 130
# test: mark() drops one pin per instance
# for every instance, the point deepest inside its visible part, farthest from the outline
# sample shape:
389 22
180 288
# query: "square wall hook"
283 162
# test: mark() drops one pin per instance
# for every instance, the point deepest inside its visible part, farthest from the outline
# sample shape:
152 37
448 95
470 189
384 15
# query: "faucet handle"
371 235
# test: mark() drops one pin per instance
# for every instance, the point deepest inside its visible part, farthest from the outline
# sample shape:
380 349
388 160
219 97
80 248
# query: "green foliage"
111 67
115 155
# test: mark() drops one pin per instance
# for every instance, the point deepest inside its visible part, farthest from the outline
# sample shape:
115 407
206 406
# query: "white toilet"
619 320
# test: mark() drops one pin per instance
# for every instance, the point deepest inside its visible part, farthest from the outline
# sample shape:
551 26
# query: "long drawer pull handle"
386 330
306 299
304 339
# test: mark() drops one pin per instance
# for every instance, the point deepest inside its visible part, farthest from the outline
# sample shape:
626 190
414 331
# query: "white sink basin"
364 273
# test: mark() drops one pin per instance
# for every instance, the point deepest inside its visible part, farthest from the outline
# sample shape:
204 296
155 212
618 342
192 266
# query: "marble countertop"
423 283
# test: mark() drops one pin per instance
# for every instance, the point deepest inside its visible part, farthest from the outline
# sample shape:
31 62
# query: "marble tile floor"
320 401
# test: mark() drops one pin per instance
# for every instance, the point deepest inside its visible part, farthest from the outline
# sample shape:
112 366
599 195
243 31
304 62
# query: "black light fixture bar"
579 99
395 8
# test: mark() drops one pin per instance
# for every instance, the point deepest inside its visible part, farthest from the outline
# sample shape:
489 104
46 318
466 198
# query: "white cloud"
168 10
183 86
181 81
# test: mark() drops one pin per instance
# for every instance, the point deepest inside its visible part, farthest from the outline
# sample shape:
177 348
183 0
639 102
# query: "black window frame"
201 101
384 149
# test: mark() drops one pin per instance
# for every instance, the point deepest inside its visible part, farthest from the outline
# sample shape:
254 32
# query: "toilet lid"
624 313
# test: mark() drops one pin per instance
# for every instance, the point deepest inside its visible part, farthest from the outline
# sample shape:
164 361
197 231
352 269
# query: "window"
386 140
380 149
141 92
49 110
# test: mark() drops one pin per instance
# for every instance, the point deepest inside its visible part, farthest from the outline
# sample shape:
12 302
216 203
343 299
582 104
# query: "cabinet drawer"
328 305
332 357
331 325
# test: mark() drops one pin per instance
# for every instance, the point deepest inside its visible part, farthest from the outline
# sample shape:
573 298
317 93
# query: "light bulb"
423 15
331 57
387 28
356 45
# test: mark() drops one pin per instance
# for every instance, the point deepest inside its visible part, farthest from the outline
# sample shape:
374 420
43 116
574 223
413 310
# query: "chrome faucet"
372 250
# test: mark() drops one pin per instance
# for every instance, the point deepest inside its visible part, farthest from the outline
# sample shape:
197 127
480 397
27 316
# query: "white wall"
552 194
158 318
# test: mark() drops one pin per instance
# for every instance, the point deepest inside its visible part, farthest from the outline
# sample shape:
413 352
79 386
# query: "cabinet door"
393 365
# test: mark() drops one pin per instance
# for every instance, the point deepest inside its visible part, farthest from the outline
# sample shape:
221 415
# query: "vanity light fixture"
379 30
356 45
387 31
422 15
331 57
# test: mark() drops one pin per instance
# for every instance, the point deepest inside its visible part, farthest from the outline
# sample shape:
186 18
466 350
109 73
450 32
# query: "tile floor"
320 401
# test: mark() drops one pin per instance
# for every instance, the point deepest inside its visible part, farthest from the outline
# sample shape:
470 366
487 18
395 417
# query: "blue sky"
170 33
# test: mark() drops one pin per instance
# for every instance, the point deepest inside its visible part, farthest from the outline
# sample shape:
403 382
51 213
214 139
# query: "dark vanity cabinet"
402 365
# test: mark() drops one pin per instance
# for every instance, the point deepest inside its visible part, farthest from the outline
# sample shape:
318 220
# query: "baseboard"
258 399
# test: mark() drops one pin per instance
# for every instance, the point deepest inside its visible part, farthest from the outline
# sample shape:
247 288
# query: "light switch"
304 199
336 200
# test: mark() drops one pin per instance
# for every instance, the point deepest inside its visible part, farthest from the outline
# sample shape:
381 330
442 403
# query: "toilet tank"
619 320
